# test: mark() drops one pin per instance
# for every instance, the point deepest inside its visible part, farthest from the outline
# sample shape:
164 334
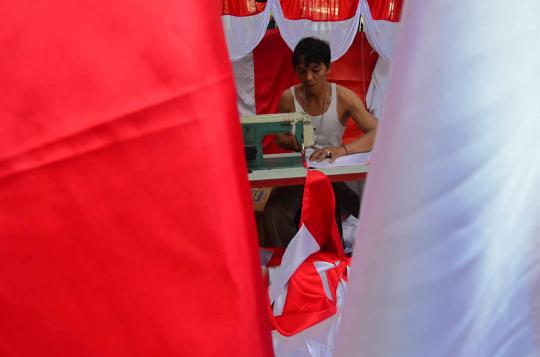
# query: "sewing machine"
256 127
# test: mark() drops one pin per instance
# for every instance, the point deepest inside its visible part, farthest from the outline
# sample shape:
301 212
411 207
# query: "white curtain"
244 79
381 36
243 33
339 34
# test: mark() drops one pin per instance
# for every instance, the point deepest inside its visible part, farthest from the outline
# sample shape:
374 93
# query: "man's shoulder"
287 97
344 91
287 93
286 102
345 95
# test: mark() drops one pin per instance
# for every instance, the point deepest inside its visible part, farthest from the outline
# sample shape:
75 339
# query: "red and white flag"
308 281
448 260
125 219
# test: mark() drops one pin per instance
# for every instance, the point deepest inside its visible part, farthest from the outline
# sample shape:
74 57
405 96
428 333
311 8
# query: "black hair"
311 50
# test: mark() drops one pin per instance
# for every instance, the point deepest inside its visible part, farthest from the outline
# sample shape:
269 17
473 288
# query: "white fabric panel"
243 33
322 268
339 34
447 267
281 298
244 79
318 340
301 246
381 36
378 87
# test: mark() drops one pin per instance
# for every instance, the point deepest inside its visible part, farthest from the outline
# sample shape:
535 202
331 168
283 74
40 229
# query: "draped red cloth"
388 10
241 8
306 301
274 73
319 10
122 233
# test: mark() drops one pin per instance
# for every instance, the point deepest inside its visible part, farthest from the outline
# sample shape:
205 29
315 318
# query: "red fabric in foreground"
122 233
319 10
274 73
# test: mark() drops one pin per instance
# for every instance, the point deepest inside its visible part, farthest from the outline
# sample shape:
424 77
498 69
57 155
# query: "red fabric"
388 10
116 238
318 212
306 301
277 255
241 7
319 10
274 73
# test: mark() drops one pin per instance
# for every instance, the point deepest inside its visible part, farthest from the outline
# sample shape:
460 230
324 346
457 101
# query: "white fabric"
328 129
378 87
281 298
448 261
300 247
244 79
381 35
339 34
318 340
243 33
361 158
350 229
322 268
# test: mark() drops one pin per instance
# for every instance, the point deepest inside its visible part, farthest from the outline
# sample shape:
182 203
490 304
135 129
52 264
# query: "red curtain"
241 7
319 10
274 73
389 10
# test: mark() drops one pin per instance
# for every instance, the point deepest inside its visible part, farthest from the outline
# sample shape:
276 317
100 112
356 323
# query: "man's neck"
317 94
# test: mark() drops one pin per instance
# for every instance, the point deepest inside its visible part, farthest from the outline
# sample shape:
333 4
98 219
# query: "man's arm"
286 105
365 121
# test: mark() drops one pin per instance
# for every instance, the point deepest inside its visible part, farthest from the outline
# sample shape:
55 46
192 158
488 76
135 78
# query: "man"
329 106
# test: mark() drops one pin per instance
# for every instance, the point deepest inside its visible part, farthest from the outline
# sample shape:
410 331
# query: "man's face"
312 75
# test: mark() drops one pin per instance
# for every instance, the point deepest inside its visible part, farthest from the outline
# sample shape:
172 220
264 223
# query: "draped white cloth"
381 36
378 87
447 263
243 33
339 34
317 340
244 79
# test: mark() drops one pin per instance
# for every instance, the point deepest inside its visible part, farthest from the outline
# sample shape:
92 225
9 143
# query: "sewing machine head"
256 127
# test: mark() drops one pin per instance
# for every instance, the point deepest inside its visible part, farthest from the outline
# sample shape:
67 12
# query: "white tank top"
328 128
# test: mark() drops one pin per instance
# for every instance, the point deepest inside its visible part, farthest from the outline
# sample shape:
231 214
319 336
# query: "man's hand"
287 141
329 152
